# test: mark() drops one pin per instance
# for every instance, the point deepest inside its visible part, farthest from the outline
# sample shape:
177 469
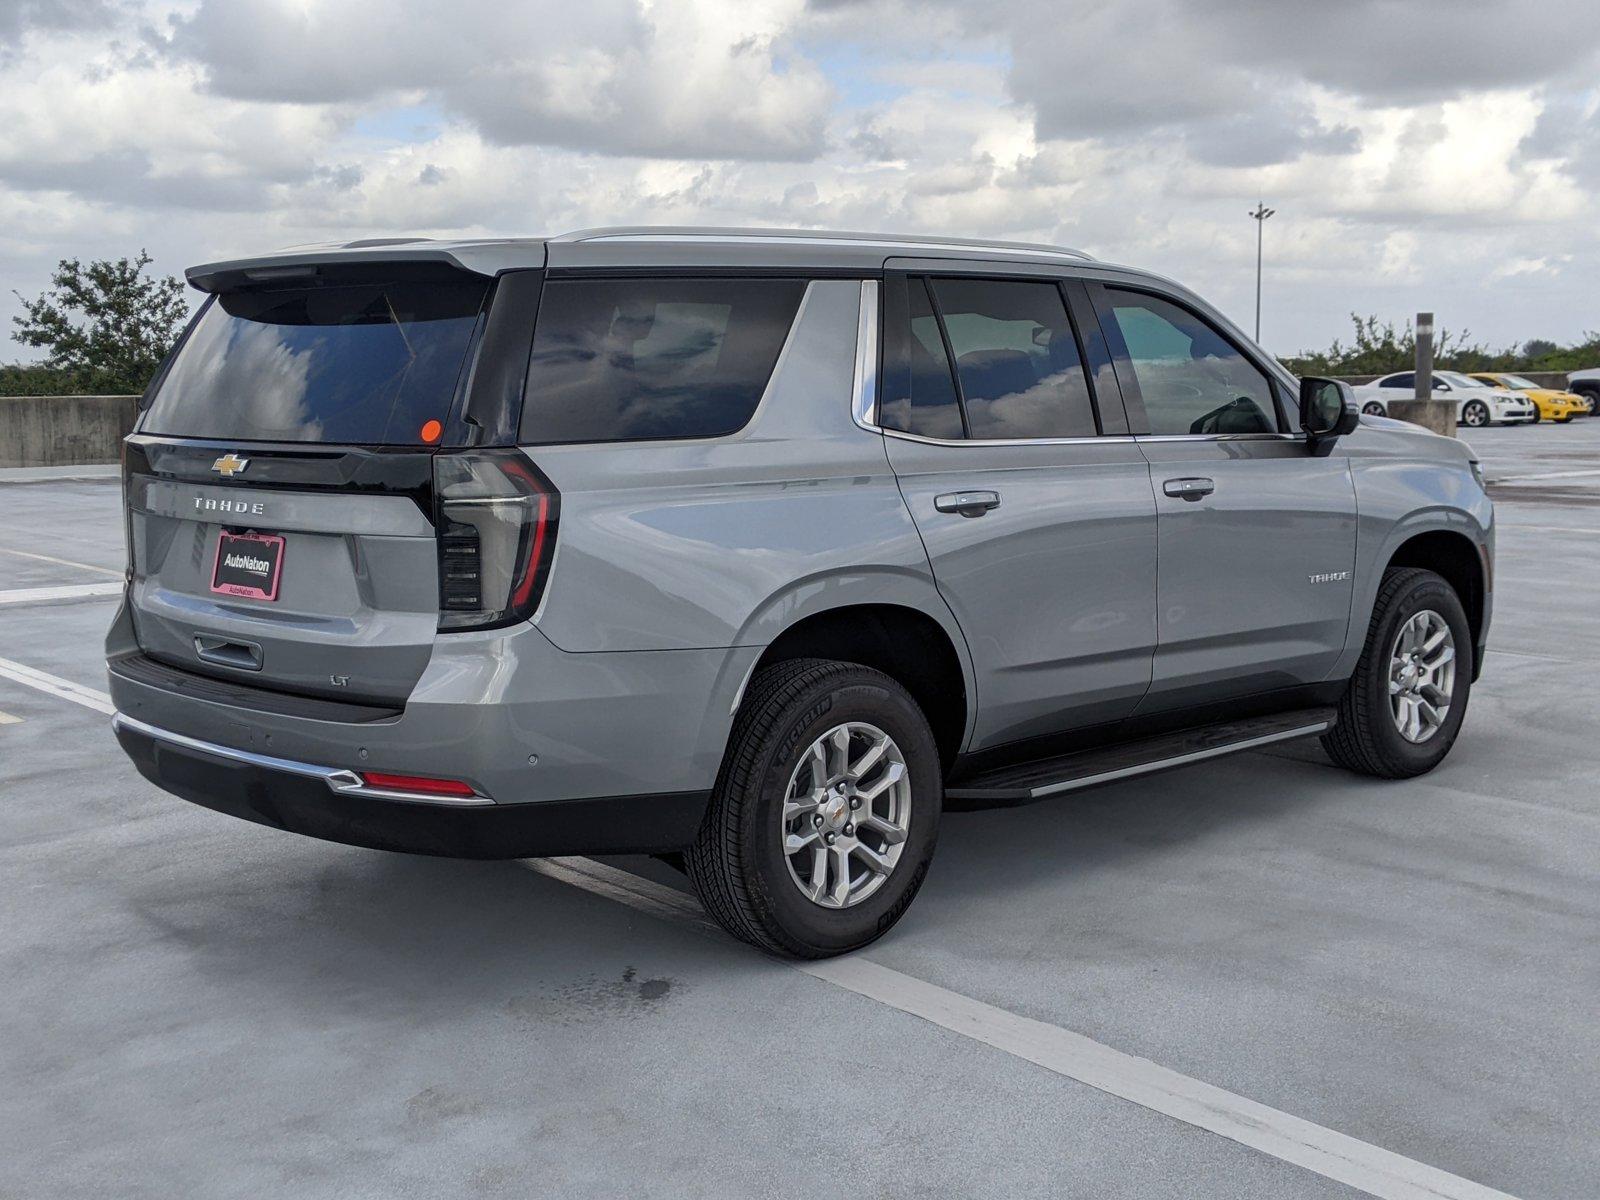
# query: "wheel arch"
925 654
1454 556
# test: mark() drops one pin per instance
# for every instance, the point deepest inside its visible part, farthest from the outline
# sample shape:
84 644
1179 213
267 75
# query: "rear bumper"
327 803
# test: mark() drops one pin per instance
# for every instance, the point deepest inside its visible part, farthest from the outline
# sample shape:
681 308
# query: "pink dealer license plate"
248 564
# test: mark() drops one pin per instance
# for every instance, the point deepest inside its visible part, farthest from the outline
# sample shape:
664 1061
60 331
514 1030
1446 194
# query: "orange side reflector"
431 431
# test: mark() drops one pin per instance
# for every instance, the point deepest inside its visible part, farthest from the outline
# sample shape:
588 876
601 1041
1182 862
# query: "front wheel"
825 813
1534 420
1404 705
1475 414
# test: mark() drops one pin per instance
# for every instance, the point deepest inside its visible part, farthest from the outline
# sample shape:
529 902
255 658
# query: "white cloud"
1458 181
668 77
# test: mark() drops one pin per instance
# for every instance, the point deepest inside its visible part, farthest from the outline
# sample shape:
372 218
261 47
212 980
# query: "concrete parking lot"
196 1006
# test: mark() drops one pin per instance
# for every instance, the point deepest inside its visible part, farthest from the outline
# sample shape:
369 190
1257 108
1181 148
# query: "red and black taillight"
497 535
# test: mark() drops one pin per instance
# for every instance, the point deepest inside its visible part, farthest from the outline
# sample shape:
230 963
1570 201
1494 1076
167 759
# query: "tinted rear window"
362 364
636 359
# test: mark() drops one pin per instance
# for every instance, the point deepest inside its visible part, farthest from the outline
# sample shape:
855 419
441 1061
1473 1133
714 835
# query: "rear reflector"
417 783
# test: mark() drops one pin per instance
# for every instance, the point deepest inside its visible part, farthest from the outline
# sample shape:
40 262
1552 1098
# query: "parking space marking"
1326 1152
1545 475
63 562
7 719
56 686
1549 528
76 591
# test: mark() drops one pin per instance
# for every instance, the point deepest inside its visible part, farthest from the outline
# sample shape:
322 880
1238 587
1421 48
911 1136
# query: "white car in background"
1477 403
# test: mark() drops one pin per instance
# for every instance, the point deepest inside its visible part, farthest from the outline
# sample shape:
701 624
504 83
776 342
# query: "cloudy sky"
1420 155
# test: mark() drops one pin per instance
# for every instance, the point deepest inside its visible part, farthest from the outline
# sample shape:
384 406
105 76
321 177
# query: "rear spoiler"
394 257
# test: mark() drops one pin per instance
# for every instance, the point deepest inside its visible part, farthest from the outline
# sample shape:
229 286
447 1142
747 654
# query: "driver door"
1256 536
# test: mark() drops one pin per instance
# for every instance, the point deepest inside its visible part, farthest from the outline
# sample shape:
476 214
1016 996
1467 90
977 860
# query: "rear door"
1007 435
281 485
1257 533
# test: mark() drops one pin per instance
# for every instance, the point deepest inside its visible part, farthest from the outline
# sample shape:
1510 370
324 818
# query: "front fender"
1402 491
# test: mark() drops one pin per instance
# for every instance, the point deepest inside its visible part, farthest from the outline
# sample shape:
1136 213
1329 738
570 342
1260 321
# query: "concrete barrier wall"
58 431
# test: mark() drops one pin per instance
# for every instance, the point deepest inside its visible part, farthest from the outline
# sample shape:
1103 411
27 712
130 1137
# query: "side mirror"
1440 387
1328 409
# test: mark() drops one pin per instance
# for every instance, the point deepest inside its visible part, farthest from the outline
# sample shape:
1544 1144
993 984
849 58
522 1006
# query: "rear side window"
1016 359
1407 380
989 359
928 406
366 364
638 359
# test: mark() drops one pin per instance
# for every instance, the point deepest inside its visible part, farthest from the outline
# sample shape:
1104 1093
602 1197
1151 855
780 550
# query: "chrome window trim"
864 388
1100 440
1097 440
1220 437
865 395
341 781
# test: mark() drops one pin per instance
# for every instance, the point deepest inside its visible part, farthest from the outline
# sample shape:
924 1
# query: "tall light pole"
1260 215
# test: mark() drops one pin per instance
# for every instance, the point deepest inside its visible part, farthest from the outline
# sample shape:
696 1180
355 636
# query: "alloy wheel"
846 815
1422 675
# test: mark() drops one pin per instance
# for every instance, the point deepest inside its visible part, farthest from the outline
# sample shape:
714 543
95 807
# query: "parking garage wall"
59 431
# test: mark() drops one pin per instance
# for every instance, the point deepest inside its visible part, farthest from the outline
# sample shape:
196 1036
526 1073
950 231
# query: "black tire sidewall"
863 696
1429 592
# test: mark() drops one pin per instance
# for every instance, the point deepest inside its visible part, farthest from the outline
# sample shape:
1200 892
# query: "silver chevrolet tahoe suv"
755 550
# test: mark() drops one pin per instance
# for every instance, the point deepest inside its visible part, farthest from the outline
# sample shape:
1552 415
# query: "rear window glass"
638 359
363 364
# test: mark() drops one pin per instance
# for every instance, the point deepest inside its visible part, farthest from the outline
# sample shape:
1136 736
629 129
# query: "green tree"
1379 348
105 325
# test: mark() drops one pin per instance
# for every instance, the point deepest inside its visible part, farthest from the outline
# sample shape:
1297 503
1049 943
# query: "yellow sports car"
1548 403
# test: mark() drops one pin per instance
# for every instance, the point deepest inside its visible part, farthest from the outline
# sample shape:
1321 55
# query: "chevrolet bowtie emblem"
229 465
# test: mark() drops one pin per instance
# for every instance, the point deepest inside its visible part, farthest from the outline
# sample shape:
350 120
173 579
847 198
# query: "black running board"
1039 780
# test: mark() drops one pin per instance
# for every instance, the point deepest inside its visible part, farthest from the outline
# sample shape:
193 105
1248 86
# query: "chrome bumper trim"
343 782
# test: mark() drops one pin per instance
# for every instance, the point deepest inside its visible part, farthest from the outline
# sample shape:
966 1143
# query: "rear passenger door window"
638 359
989 359
1191 378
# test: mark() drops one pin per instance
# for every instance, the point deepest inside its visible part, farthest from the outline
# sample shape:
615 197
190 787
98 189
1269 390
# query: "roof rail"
700 233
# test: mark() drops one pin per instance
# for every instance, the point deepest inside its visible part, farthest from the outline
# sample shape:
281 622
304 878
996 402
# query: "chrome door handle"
1188 489
968 504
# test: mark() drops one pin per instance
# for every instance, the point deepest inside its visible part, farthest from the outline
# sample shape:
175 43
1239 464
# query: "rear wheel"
1372 408
825 813
1404 705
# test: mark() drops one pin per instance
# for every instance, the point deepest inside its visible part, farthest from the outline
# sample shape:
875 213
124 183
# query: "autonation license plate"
248 564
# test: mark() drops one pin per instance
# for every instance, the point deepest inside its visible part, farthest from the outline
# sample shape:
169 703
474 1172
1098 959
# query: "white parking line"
7 719
1326 1152
75 591
65 562
56 686
1545 475
1508 527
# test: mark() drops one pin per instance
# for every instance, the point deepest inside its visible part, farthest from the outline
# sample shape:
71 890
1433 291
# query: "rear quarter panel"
685 545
